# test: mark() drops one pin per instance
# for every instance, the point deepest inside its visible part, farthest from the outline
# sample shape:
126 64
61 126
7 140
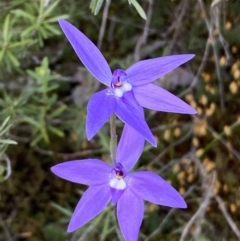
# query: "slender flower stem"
113 138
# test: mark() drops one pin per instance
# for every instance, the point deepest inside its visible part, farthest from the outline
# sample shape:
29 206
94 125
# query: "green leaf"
36 140
6 28
98 6
45 134
43 33
28 30
50 9
93 5
31 121
62 209
139 9
55 19
58 111
52 29
13 59
56 131
4 122
21 43
24 14
10 142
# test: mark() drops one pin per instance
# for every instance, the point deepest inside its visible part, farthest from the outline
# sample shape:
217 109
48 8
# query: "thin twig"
183 6
68 155
143 39
201 210
174 144
216 14
225 213
212 39
200 69
103 23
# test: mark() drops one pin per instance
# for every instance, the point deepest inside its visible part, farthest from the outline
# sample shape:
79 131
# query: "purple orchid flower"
116 183
127 90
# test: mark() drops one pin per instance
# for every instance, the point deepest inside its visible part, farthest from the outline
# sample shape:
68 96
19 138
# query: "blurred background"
44 89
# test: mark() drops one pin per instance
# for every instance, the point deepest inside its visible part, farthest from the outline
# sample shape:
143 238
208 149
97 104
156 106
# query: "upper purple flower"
127 190
127 90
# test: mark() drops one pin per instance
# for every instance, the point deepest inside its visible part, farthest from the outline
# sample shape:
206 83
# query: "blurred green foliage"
40 76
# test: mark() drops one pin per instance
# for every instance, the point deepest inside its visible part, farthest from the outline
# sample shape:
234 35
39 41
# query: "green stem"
113 138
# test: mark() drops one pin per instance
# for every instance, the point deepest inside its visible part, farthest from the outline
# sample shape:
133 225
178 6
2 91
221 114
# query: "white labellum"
118 92
118 184
126 87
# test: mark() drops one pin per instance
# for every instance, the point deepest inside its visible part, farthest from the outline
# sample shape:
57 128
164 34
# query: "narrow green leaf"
52 29
31 121
62 209
21 13
21 43
98 6
36 140
93 5
28 30
13 59
139 9
45 134
4 123
10 142
49 9
56 131
43 34
6 28
55 19
58 111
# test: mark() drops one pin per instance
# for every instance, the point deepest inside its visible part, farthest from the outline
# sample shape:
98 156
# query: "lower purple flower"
116 183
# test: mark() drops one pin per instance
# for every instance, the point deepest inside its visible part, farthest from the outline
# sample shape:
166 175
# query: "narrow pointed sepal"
151 187
146 71
132 114
87 52
87 172
99 109
131 142
130 209
93 202
156 98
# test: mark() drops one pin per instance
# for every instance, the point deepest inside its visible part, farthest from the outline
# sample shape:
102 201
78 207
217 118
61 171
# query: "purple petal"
116 194
156 98
87 172
146 71
151 187
131 142
93 201
130 211
88 53
100 107
132 114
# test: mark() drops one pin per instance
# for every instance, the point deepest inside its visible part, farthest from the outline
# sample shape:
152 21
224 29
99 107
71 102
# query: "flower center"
117 177
118 85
